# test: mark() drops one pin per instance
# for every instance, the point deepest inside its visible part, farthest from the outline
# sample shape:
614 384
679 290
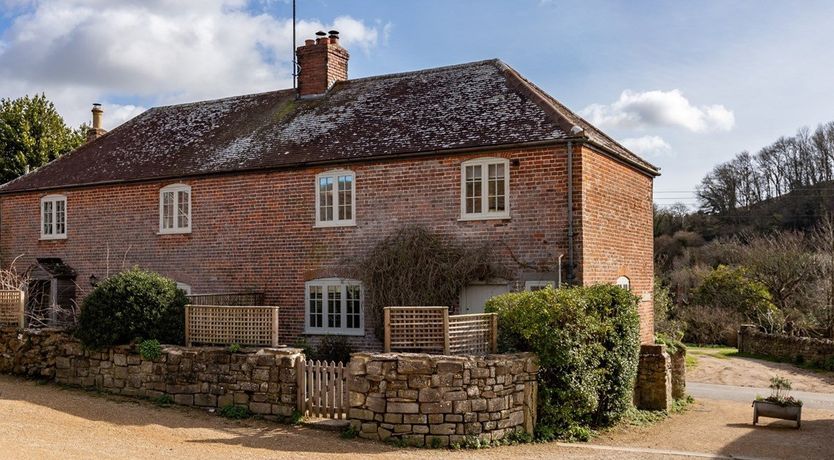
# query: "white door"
474 296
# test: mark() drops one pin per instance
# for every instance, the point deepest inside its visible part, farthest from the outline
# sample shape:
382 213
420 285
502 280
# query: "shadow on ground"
781 439
208 428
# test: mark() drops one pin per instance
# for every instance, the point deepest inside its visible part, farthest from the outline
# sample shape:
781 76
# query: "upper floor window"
53 217
175 209
335 199
334 306
485 189
624 283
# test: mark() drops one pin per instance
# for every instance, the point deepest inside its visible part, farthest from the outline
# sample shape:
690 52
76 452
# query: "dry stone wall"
653 390
440 400
264 380
818 352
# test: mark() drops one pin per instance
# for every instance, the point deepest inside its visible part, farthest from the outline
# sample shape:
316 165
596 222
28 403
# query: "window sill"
178 232
53 238
356 333
334 224
471 218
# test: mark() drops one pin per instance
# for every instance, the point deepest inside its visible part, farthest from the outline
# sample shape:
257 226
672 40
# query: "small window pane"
354 313
473 189
496 195
345 197
315 306
334 306
168 210
60 217
182 209
326 199
47 218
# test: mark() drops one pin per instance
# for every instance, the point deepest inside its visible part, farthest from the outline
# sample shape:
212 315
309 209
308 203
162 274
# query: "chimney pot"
96 130
309 42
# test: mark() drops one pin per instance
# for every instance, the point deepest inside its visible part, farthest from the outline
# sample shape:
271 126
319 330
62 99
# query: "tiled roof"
471 105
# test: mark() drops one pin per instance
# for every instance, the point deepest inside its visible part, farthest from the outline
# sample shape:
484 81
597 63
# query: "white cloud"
659 108
647 145
153 51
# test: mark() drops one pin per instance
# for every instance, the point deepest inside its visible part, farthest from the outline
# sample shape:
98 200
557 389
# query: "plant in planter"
780 404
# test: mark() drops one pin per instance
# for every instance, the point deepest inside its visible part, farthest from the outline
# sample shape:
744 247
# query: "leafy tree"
733 289
32 133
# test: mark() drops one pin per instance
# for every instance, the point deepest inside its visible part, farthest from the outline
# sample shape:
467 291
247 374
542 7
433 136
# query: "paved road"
823 401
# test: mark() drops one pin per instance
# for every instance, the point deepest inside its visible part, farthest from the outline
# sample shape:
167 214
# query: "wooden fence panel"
416 329
11 308
322 389
224 325
473 334
241 299
432 330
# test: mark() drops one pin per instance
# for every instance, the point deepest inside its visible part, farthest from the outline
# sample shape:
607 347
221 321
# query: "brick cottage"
280 192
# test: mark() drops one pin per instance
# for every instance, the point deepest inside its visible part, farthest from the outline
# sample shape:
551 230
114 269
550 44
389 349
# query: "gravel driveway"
47 421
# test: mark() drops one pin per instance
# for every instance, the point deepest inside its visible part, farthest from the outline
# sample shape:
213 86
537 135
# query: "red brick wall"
255 231
616 229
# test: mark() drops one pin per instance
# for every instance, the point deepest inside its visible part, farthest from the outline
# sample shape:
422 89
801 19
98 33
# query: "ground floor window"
333 306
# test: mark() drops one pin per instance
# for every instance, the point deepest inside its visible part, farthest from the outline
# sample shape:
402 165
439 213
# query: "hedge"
587 340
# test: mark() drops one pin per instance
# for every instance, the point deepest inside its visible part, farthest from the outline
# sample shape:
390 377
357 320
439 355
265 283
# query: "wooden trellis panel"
432 330
222 299
417 329
224 325
11 308
322 389
475 334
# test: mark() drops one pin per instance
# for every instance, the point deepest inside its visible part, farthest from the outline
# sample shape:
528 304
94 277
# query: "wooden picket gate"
322 389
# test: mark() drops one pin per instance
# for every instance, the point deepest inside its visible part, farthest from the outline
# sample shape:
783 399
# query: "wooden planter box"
773 410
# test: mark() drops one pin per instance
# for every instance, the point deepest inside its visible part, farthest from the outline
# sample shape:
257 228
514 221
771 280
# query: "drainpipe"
560 270
570 214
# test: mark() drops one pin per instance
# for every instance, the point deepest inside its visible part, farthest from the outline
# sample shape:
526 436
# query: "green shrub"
235 412
135 303
333 348
150 350
587 340
234 348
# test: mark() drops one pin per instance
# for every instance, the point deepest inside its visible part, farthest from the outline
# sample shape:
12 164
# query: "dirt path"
713 366
46 421
725 428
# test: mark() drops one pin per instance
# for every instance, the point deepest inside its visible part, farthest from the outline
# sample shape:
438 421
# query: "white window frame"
336 222
184 287
484 213
324 283
176 189
54 199
624 282
538 284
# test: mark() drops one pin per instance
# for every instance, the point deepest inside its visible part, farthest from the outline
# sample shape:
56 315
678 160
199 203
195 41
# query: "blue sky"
684 84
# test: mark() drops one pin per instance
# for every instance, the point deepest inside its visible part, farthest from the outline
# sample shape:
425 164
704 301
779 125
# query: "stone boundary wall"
263 380
653 389
430 400
785 347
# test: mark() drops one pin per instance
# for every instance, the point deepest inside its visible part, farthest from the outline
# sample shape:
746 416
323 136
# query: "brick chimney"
322 62
96 131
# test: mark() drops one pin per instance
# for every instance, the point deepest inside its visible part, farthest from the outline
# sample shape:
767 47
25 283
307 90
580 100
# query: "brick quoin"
255 230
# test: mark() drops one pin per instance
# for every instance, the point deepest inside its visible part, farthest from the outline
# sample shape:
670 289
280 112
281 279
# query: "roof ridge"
220 99
495 61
